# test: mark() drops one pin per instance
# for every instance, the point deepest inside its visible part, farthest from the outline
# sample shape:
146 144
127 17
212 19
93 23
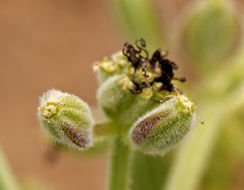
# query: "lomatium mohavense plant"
147 111
137 94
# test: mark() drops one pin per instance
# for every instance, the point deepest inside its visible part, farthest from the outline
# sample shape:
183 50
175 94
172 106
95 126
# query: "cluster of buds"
137 94
142 71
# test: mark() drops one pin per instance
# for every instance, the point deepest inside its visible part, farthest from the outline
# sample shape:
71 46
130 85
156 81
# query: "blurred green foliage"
139 18
210 33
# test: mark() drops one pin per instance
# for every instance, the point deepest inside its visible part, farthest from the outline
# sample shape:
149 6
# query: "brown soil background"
53 44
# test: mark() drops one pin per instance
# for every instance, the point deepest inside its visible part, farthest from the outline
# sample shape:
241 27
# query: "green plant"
147 115
145 110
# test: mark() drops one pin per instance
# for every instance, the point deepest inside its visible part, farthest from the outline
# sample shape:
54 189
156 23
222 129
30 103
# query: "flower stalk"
7 181
118 178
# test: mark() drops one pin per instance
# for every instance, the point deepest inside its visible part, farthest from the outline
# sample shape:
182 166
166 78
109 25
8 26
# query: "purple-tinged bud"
160 129
66 118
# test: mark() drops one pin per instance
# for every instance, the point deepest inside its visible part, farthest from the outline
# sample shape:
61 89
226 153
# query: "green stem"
119 165
148 172
7 181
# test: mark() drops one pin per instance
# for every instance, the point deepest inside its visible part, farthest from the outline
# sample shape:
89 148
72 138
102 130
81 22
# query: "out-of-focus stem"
193 155
119 165
7 181
138 19
147 171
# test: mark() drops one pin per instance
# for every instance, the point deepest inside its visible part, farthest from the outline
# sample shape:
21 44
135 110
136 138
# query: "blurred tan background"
53 44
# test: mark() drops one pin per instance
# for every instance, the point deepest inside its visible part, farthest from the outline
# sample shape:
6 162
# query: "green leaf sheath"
7 181
119 165
191 159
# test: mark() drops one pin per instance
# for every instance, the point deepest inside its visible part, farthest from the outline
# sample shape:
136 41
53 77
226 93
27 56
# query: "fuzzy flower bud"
160 129
66 118
114 95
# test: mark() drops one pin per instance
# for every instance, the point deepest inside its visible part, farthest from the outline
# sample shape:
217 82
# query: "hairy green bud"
114 95
160 129
66 118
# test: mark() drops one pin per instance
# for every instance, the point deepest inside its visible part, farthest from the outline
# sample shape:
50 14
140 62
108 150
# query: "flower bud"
114 95
66 118
211 32
110 67
160 129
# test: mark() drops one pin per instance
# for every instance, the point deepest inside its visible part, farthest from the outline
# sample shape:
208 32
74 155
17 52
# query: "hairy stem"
119 165
7 181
